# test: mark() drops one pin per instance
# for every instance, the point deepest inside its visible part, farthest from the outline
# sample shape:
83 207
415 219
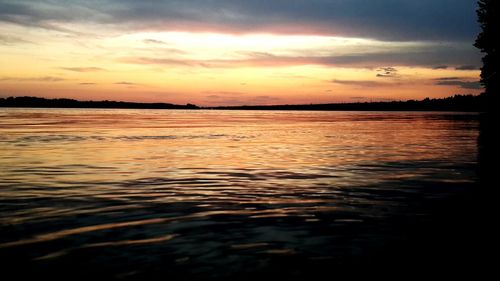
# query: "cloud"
218 94
33 79
154 41
401 20
427 56
440 79
224 98
126 83
12 40
83 69
462 84
87 83
162 61
44 14
448 20
467 67
385 20
387 72
457 81
440 67
360 83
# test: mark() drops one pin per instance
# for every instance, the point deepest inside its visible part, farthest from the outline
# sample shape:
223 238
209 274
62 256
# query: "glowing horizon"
155 61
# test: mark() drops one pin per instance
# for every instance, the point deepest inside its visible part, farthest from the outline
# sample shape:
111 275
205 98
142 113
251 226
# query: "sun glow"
209 68
204 46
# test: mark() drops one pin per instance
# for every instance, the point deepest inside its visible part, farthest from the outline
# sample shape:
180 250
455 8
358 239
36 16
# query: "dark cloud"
462 84
467 67
87 83
83 69
447 78
440 67
443 20
424 56
125 83
388 19
457 81
45 14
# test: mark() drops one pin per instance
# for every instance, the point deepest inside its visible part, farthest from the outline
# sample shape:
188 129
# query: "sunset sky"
234 52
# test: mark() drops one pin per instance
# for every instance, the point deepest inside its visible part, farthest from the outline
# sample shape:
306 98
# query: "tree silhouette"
487 42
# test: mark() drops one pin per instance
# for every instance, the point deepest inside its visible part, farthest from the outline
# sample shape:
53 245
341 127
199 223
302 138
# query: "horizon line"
244 105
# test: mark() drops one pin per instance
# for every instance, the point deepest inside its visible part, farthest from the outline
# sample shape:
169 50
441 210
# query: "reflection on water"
215 194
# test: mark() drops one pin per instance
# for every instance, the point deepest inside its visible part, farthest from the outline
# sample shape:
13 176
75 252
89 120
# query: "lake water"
220 194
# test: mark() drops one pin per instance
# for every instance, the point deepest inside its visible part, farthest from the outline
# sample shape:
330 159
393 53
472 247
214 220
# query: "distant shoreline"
463 103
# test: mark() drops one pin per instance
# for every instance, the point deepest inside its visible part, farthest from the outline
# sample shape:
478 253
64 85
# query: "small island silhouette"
468 103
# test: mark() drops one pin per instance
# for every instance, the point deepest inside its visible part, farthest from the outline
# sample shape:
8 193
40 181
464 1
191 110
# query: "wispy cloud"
467 67
453 78
34 79
126 83
154 42
218 94
46 14
162 61
387 72
225 50
83 69
360 83
12 40
425 57
457 81
238 98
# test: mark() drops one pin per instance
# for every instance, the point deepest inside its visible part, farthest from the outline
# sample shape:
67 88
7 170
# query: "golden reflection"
132 242
194 167
81 230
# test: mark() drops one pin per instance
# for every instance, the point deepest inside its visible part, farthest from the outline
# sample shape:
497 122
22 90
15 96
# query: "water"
220 194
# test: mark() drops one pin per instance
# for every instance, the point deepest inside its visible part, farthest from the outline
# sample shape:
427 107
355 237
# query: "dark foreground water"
167 194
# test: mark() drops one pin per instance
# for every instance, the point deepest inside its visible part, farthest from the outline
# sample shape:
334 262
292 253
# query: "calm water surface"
213 194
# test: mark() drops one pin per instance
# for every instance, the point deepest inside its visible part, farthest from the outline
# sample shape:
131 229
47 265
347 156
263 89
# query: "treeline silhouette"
468 103
455 103
487 42
70 103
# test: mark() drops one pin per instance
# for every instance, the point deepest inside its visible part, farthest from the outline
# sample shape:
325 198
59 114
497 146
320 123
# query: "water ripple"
186 192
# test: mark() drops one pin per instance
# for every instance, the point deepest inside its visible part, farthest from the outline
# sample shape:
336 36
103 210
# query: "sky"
239 52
